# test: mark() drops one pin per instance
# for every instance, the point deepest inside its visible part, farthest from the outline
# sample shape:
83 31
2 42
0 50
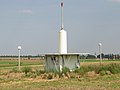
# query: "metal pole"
62 24
100 52
19 59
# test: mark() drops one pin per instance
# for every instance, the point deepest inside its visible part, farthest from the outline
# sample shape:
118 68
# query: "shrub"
114 68
81 70
101 68
15 70
33 75
26 69
39 72
91 68
65 70
102 72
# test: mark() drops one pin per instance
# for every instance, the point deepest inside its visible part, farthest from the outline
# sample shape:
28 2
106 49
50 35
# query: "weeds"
26 69
81 70
102 72
65 70
113 68
39 71
15 70
90 70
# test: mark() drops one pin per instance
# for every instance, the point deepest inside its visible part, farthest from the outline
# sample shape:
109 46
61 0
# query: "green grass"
7 64
13 63
94 60
106 82
109 82
104 69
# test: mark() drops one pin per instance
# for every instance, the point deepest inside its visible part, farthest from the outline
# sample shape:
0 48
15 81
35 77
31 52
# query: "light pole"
100 52
19 48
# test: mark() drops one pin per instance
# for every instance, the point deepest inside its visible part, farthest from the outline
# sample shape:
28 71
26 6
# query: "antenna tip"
62 4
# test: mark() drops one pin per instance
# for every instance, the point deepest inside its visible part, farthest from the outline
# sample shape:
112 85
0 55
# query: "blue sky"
35 24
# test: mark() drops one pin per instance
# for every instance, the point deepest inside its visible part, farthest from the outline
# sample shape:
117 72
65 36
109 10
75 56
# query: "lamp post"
100 52
19 48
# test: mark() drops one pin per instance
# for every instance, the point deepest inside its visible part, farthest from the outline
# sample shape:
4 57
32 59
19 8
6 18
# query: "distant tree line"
110 56
22 56
88 56
104 56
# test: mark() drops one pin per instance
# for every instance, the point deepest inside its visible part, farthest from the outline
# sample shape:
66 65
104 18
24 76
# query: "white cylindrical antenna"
19 48
62 35
63 42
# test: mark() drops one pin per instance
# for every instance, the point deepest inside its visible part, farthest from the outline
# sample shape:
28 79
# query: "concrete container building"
55 62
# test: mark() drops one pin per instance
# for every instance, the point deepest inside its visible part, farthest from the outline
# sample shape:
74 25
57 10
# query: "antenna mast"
62 24
62 35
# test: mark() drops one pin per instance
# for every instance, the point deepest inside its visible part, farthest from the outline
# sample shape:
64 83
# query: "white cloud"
27 11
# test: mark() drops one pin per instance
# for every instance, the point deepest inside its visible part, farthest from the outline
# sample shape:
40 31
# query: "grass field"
12 81
111 82
14 63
